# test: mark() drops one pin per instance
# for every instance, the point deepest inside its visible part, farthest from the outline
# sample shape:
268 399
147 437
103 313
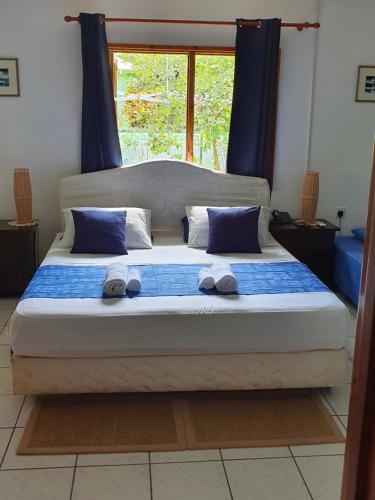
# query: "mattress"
276 370
348 266
162 326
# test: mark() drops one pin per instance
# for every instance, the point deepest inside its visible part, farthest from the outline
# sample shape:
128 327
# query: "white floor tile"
4 335
338 398
26 410
13 461
323 476
9 304
243 453
265 480
113 459
5 381
4 440
4 356
318 449
5 314
9 409
187 481
36 484
344 420
185 456
112 483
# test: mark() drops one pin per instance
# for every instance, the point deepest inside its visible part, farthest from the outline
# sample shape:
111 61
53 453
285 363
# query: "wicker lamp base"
309 198
23 196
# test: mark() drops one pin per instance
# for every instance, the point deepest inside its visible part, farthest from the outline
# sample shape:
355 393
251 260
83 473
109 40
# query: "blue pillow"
99 231
233 230
185 225
359 233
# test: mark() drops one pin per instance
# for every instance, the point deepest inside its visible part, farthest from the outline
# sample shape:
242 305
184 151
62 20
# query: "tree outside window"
152 94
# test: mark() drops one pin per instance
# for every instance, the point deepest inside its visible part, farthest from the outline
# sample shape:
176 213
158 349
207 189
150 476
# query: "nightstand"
18 257
311 245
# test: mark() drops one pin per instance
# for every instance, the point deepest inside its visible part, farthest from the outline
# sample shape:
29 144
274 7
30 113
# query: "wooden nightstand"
312 246
18 257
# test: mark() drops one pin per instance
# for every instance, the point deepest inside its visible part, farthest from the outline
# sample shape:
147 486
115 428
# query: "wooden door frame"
359 466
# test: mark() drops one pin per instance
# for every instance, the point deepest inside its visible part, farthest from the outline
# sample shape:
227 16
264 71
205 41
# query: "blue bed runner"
160 280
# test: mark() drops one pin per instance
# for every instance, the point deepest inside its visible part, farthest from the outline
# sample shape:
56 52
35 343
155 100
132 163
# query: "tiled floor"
285 473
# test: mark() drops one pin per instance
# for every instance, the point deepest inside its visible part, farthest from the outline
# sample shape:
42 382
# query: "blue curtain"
100 141
252 126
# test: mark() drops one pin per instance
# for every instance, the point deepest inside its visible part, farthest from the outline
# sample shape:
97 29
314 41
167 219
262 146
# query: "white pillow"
138 226
198 226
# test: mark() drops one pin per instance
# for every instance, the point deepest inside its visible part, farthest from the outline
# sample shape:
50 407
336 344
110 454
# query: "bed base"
321 368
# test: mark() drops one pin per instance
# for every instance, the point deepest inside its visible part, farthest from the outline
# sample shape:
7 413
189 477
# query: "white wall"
41 129
342 129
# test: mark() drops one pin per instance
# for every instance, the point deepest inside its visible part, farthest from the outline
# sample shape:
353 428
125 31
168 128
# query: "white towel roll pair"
119 279
219 276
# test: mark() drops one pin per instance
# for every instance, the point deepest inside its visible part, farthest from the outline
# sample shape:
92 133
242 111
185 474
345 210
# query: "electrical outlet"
340 212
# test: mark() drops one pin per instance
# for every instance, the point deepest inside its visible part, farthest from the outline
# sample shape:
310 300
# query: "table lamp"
309 198
23 198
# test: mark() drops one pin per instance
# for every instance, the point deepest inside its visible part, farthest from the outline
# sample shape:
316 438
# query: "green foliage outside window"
213 102
151 106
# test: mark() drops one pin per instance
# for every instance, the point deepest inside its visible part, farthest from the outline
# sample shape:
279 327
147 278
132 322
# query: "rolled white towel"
225 280
205 279
116 279
134 282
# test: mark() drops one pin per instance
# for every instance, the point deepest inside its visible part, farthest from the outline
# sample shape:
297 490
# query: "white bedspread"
176 325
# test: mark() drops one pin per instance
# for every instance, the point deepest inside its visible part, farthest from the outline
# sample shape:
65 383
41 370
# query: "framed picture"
366 84
9 83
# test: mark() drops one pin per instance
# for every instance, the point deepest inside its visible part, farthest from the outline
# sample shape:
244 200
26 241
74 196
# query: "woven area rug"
176 421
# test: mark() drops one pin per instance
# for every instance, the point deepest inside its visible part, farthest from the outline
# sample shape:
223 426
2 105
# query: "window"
173 102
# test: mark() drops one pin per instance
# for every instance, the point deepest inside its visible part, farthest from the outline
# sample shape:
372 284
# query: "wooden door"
359 465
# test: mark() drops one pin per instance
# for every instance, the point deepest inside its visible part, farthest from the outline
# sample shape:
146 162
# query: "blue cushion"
185 225
348 266
98 231
233 230
359 233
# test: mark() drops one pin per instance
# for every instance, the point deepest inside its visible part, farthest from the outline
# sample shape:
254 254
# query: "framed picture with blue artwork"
366 84
9 81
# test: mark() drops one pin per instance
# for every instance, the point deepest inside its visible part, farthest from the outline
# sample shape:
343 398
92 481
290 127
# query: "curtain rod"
258 24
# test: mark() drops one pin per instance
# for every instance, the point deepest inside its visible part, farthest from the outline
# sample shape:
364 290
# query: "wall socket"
340 212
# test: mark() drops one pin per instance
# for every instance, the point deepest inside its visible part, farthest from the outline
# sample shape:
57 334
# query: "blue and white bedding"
168 280
170 325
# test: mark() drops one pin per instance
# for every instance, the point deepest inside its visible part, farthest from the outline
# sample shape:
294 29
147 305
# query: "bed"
174 343
348 266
